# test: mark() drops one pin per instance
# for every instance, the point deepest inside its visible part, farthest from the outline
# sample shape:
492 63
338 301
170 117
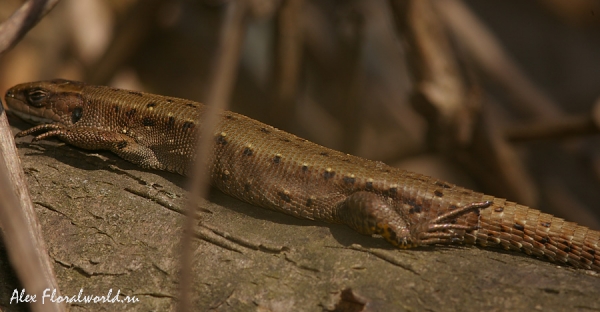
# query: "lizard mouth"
31 118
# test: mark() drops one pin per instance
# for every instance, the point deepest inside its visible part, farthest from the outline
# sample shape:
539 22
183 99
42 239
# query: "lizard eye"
36 96
77 114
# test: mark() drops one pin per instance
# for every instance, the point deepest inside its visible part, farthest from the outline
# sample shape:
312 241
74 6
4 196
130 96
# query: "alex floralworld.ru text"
52 296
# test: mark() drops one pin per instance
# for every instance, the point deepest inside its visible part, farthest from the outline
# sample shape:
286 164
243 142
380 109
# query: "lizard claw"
441 230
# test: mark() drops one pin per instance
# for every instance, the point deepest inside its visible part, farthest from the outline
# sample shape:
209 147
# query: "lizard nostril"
10 93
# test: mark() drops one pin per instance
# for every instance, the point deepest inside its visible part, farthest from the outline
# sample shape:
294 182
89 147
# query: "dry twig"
22 231
27 16
232 36
485 49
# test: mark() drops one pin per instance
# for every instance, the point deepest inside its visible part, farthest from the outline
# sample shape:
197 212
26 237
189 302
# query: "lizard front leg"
369 213
96 139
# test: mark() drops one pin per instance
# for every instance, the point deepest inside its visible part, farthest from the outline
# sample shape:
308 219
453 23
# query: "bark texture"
110 225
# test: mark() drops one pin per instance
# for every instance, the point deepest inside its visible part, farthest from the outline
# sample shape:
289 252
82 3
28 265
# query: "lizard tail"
516 227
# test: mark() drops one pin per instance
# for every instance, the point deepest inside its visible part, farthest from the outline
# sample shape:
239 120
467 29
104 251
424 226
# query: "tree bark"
110 225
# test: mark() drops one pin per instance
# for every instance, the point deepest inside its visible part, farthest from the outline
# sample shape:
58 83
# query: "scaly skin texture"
277 170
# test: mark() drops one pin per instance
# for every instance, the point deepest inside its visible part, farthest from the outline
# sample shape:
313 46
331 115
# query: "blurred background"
500 96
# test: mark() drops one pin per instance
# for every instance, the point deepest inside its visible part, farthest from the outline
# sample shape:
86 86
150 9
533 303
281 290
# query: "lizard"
270 168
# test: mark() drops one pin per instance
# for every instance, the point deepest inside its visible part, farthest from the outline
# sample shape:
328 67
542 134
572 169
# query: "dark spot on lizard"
452 207
265 130
369 186
148 121
328 174
285 197
191 105
544 240
591 252
442 184
285 140
122 144
188 125
116 108
130 113
349 180
304 168
151 105
135 93
171 122
169 101
277 159
519 227
76 114
498 209
567 249
247 151
324 154
438 193
415 209
545 224
247 187
221 139
309 202
392 192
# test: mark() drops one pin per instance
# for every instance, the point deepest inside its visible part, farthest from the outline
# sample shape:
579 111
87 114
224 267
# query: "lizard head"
50 101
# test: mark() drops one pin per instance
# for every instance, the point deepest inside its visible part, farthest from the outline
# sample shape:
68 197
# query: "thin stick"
483 47
552 129
288 50
232 37
440 94
23 238
29 14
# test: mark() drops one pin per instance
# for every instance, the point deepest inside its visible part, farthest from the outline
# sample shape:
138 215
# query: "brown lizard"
270 168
